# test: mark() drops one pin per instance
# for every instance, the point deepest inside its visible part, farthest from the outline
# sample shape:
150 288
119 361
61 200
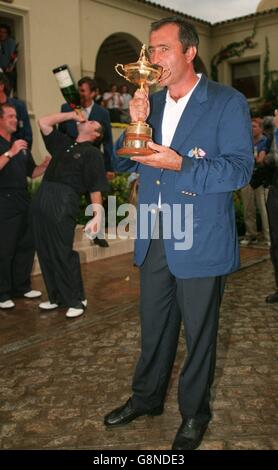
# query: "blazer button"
158 182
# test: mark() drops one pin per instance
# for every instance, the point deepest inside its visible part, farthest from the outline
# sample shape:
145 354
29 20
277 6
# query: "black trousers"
166 302
272 212
16 244
55 208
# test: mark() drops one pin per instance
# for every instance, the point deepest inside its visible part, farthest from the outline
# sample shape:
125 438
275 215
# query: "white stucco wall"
224 34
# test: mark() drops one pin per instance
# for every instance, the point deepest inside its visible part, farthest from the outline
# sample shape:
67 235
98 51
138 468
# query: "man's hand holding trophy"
139 133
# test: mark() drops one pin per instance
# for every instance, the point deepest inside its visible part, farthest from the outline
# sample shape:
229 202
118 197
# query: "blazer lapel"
93 114
191 115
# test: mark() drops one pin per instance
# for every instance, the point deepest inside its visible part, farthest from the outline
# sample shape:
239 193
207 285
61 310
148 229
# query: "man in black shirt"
16 243
87 90
76 168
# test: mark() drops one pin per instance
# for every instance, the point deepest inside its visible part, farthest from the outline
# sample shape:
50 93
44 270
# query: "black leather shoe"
272 298
101 242
127 413
189 435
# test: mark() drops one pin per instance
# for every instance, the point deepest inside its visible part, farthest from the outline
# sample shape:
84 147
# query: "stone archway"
119 48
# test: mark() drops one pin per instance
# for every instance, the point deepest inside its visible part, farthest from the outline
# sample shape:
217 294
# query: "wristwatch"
8 155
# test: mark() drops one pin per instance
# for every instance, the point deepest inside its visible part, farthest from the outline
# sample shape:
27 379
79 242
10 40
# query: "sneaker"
33 294
74 312
84 302
247 241
47 305
101 242
7 304
272 298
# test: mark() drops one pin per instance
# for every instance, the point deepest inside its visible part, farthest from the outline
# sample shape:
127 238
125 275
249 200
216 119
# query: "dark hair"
100 130
5 81
89 81
3 106
187 32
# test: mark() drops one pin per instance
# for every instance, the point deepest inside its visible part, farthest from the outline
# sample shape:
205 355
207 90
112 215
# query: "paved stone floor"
59 377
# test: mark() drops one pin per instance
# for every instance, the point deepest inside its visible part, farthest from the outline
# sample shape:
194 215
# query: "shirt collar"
185 97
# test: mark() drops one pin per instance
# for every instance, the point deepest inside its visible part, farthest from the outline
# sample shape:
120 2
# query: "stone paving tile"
58 377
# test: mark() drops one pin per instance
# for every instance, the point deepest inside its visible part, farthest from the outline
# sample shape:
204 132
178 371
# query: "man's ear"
190 54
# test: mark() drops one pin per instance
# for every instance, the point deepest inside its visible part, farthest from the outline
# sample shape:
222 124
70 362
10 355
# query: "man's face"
3 34
8 122
256 129
86 95
165 49
93 129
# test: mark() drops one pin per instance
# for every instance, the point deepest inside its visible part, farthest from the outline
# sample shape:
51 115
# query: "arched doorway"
119 48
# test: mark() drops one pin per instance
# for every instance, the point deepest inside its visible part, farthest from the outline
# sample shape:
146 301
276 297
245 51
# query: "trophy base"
136 143
128 152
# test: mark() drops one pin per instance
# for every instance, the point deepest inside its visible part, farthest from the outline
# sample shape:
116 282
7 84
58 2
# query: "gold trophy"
139 133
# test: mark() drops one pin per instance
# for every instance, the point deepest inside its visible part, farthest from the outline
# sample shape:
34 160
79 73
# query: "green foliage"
118 187
83 203
269 102
266 69
234 49
239 214
33 186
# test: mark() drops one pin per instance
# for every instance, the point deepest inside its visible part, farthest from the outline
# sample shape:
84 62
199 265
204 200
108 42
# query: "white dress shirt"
171 116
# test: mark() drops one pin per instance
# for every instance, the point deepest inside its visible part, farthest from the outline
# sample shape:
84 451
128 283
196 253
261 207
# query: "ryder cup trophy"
139 133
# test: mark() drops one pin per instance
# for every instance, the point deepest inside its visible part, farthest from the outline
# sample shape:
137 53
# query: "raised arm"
47 123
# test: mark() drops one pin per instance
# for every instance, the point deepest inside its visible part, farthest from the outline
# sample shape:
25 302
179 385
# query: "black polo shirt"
15 172
78 165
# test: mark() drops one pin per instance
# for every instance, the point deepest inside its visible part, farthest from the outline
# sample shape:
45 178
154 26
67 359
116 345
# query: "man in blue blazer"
202 153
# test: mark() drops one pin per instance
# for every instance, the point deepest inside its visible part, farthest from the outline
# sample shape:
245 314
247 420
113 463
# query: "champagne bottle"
67 86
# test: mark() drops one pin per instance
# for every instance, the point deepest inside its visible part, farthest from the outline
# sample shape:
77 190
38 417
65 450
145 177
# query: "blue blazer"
101 115
215 140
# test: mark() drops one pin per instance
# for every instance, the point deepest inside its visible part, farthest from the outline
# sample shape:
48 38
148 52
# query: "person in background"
16 240
23 129
76 168
203 152
98 99
8 55
125 97
113 102
252 198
